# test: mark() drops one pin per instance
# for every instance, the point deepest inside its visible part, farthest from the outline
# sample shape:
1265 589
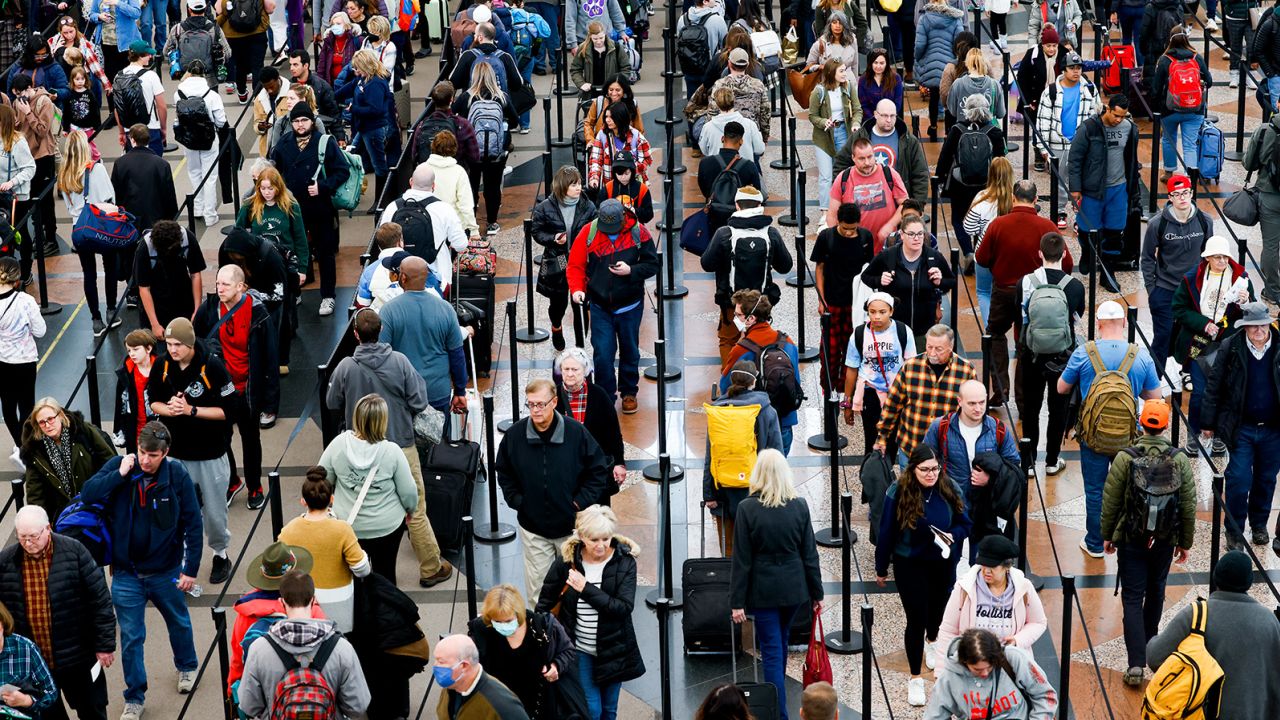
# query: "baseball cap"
196 5
609 217
1155 414
624 160
392 261
141 47
1110 310
1178 182
738 57
1073 58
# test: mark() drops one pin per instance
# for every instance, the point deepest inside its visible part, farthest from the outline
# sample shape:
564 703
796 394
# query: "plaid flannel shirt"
600 158
92 60
21 665
35 590
917 396
1049 116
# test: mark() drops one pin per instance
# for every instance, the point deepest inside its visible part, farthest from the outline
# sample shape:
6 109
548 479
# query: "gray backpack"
1049 330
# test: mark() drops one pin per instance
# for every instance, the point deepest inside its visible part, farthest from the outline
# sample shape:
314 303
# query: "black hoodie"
748 265
263 266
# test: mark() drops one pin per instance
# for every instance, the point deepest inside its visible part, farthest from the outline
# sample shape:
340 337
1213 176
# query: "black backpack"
245 15
194 127
973 156
415 222
693 45
9 235
1151 508
131 102
431 127
724 189
777 377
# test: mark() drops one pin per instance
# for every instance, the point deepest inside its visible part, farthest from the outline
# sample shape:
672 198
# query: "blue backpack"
493 60
1209 148
86 522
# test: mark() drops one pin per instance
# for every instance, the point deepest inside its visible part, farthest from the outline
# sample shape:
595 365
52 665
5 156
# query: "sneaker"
1133 677
444 573
915 692
909 81
210 220
1039 165
422 54
256 499
629 405
524 130
233 489
115 322
1095 554
266 420
186 681
99 329
1056 468
132 711
221 570
1211 25
326 307
1260 536
929 649
557 338
243 97
1275 545
229 88
1236 542
1234 79
1192 448
1219 447
1062 221
16 457
493 229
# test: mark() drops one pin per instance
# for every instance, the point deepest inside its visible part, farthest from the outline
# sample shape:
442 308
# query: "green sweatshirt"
287 230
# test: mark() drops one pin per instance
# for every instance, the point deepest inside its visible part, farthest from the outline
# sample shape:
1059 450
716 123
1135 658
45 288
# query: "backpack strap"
320 153
1199 621
1129 357
944 424
286 658
323 652
1091 349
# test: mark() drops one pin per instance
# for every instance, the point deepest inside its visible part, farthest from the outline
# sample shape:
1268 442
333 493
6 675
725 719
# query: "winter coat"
1028 612
773 550
580 13
1159 99
1087 166
82 620
1025 696
18 167
90 449
143 182
768 435
263 388
618 655
329 50
1223 406
1260 151
547 224
1171 248
375 367
910 164
263 668
1116 494
722 259
1265 49
371 105
591 256
918 541
1033 75
939 24
548 636
1065 20
582 68
1188 319
917 299
1049 116
48 75
169 526
299 166
994 507
454 187
601 422
959 465
548 482
751 98
347 462
820 112
264 267
250 608
1153 40
129 404
35 121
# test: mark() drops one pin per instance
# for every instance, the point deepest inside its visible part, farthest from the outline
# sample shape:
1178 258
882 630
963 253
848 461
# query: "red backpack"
1185 91
303 693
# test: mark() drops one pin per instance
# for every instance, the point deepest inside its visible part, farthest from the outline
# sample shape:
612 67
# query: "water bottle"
195 591
174 68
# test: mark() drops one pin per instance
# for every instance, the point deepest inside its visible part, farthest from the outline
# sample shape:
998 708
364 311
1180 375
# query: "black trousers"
491 174
1143 575
248 55
246 419
17 395
1037 380
383 551
88 698
924 586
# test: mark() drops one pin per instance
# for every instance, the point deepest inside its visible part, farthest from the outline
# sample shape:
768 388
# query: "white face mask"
740 324
339 30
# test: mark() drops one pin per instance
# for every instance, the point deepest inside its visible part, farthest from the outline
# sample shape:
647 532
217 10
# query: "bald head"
424 178
886 116
230 284
413 274
459 654
973 402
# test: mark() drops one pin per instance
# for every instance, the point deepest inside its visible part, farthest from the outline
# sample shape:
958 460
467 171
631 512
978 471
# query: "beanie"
1234 572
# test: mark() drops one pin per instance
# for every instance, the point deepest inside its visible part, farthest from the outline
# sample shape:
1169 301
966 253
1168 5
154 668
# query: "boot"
557 338
380 182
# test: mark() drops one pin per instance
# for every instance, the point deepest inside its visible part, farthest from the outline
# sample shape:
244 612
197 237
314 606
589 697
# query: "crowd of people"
325 598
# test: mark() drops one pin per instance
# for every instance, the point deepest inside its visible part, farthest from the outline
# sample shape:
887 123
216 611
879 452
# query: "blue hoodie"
154 520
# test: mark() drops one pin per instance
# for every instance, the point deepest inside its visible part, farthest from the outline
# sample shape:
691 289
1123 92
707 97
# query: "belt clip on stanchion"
830 432
1237 155
529 333
806 353
1028 455
1064 679
493 531
666 589
671 372
845 641
791 219
514 368
469 564
664 656
653 471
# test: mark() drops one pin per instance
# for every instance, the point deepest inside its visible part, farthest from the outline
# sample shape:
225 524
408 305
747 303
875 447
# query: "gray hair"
258 165
31 516
977 108
576 353
940 330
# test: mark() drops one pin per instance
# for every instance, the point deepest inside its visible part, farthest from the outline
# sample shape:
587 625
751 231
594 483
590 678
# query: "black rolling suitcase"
478 290
706 603
762 697
449 479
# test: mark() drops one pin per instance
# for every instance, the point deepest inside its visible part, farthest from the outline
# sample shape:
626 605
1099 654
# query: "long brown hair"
8 127
911 494
976 645
890 75
738 37
999 187
284 199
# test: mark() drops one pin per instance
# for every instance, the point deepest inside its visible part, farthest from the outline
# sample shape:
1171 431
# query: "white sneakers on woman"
915 692
929 649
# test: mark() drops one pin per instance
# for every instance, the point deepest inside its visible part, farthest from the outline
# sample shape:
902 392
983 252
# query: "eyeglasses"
45 422
915 234
534 405
931 470
1180 194
28 537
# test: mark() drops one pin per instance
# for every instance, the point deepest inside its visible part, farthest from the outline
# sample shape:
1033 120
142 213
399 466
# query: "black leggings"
558 305
924 586
383 551
998 26
248 54
89 267
491 174
17 395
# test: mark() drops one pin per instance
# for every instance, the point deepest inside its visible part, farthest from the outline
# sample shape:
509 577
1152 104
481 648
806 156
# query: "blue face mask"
506 629
443 675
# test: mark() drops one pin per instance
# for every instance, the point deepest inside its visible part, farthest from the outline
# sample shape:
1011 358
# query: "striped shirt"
919 395
589 617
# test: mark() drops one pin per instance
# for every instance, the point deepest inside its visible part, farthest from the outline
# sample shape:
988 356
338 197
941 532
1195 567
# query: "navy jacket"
371 103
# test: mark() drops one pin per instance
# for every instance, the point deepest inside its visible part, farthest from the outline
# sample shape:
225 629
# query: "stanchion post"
16 487
1026 141
664 656
276 502
1027 451
933 209
1091 238
1010 147
469 563
868 660
515 368
806 353
1215 539
494 531
224 658
328 424
1154 184
190 205
830 433
791 219
1238 154
91 375
1176 432
1131 319
666 589
986 361
788 128
845 641
653 471
1064 680
955 288
42 278
832 536
529 333
1054 210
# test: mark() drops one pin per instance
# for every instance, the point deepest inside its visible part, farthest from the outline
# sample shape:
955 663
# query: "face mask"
506 629
339 30
740 324
443 676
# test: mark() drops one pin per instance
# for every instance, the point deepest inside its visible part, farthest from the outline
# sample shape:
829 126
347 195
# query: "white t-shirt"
837 106
868 362
152 90
970 436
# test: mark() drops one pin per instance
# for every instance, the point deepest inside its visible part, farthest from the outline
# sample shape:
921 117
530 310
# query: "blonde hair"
9 134
52 404
976 62
380 27
771 479
369 419
367 62
596 521
484 83
501 601
999 187
284 198
76 158
540 385
73 57
304 93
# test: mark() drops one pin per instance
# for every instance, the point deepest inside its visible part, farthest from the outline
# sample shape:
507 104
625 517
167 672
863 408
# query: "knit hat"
302 110
609 217
180 329
1049 35
996 550
1234 572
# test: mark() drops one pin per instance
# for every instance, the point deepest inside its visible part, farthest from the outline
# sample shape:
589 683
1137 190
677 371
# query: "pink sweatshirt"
1028 613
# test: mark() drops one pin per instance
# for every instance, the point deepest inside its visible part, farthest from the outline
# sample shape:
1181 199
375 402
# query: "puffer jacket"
1153 40
547 224
618 655
1065 20
1087 165
960 615
1160 100
550 640
250 608
722 259
90 449
937 30
1189 320
590 257
18 167
83 621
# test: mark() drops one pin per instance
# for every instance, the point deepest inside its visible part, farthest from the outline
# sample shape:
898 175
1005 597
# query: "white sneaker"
1211 25
915 693
1234 80
186 681
1253 84
132 711
15 456
1085 549
118 439
326 307
929 648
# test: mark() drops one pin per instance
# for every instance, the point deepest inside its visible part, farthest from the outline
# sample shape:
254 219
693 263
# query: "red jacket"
1010 246
251 607
591 255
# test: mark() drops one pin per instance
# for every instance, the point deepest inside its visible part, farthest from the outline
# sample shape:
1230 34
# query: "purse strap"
364 490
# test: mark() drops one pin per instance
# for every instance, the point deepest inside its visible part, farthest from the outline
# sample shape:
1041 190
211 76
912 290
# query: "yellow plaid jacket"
917 396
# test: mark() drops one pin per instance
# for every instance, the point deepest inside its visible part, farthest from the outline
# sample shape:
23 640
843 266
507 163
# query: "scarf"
59 452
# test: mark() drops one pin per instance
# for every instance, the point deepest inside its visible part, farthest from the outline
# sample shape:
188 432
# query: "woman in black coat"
549 230
917 293
773 548
598 415
594 586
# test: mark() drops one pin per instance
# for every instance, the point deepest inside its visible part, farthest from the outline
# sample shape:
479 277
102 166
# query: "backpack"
199 41
944 425
258 629
486 119
724 190
87 523
737 236
461 28
524 40
347 195
1184 92
10 236
731 430
973 156
1209 149
1188 684
419 233
1049 329
777 377
693 45
1151 504
635 60
1157 35
304 693
860 332
1108 419
245 15
194 126
131 103
493 60
432 126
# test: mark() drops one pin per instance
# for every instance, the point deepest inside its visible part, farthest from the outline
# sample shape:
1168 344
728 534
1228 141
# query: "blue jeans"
1251 475
1131 28
1109 213
526 73
602 700
1093 467
982 279
155 15
1211 9
617 336
1190 124
1273 89
156 143
374 144
787 434
550 46
773 625
1160 302
130 594
1198 384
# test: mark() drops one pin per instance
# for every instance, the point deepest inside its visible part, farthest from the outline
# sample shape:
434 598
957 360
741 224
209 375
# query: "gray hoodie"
392 493
1026 696
1171 249
263 668
376 368
578 16
967 85
715 26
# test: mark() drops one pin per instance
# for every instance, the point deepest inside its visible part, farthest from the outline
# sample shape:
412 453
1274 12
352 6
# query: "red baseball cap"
1178 182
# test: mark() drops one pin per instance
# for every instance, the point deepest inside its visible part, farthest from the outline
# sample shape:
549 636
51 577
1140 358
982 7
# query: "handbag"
478 259
817 662
695 233
803 82
551 273
790 46
1242 207
97 230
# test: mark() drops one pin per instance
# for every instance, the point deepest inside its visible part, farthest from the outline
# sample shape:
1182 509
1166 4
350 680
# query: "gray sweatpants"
211 478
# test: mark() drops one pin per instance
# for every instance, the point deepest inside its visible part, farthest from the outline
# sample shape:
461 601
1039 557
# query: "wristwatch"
193 410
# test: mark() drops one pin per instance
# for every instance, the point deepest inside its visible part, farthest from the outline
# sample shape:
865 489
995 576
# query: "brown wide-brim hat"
267 570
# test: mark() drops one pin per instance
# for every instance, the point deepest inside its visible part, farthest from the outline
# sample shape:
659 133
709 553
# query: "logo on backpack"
1109 414
777 377
693 45
487 120
1151 505
131 101
973 156
304 693
1049 330
245 15
1185 91
194 127
86 522
1188 684
731 429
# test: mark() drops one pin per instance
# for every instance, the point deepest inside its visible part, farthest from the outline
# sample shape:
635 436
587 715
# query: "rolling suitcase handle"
733 651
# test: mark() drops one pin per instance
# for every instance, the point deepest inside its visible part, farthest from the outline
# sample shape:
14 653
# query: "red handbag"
817 663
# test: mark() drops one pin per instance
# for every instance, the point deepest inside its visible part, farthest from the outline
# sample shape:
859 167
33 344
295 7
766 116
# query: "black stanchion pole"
1028 454
832 536
806 353
788 128
91 375
845 641
190 206
1092 239
798 278
1009 147
515 368
494 532
1176 432
1054 210
1064 679
42 278
1026 141
224 658
328 426
830 433
469 563
986 361
1215 539
1131 313
276 502
1238 154
547 177
977 24
867 661
19 496
1153 191
664 657
653 471
955 289
792 218
671 373
529 333
666 589
672 290
560 140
